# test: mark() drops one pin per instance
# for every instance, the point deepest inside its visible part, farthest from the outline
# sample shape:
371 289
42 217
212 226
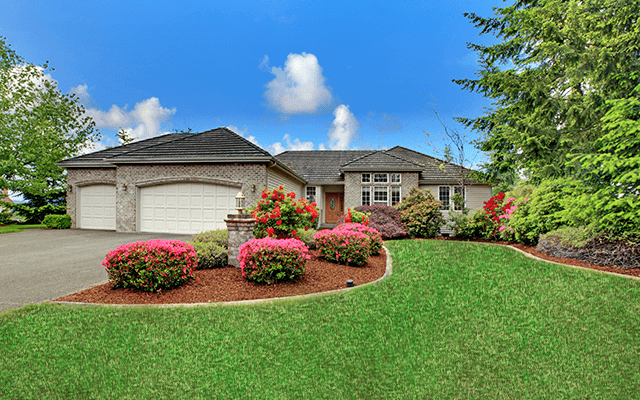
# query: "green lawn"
18 228
455 321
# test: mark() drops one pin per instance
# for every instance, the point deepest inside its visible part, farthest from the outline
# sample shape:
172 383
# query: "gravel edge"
387 273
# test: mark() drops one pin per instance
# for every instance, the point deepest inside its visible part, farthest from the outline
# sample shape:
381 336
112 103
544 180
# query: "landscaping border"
567 265
387 273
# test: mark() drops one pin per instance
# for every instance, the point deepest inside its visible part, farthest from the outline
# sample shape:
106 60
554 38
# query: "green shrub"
57 221
420 214
272 260
210 255
356 217
151 266
570 236
5 218
344 246
467 226
307 238
218 236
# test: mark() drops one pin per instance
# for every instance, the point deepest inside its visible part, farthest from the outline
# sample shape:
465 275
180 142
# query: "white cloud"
143 122
245 134
343 129
294 144
299 87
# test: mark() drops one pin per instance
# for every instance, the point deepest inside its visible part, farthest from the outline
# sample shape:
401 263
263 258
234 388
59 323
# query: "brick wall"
136 176
78 177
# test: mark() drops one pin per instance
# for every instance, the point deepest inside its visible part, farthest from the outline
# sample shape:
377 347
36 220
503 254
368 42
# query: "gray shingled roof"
434 170
217 144
318 166
381 161
100 157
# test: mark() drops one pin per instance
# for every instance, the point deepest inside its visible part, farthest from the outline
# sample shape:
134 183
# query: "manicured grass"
455 320
19 228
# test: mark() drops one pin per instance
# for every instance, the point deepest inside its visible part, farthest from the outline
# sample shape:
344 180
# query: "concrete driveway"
37 265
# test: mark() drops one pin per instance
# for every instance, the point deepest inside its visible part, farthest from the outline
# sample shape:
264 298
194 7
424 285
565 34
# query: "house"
187 183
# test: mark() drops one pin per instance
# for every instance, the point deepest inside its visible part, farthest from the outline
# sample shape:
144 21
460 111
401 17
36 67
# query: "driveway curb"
387 273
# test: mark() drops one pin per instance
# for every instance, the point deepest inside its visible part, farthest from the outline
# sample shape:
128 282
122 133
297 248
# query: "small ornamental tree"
280 212
420 214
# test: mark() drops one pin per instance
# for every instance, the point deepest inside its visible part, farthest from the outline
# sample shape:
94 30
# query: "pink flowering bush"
151 266
271 260
344 246
374 235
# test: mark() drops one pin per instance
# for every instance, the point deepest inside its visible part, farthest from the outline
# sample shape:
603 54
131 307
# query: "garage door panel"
97 207
185 207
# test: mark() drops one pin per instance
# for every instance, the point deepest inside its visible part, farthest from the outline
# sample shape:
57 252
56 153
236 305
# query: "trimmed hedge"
57 221
210 255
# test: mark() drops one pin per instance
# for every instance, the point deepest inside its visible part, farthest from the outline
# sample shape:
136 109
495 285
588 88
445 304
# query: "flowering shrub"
344 246
277 211
420 214
356 217
374 235
151 266
386 220
270 260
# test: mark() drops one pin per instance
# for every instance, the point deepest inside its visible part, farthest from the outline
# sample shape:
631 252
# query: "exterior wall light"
124 187
70 188
253 188
240 202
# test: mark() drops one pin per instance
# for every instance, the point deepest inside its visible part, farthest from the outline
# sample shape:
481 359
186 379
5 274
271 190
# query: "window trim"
386 177
365 189
315 195
362 177
444 206
399 178
399 189
386 191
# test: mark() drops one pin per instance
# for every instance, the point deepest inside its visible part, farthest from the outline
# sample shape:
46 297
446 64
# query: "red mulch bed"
227 284
569 261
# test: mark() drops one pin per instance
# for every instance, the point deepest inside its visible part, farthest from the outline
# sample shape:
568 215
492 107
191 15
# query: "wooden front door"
333 207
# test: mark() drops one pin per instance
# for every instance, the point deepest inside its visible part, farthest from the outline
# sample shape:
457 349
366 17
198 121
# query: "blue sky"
285 74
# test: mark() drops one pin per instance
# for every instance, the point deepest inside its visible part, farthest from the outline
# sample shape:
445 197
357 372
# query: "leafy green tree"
551 78
39 126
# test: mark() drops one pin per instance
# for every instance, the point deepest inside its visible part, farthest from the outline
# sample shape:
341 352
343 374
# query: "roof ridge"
361 157
243 138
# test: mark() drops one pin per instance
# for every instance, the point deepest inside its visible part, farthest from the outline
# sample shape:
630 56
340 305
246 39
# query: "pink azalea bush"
151 266
271 260
374 235
344 246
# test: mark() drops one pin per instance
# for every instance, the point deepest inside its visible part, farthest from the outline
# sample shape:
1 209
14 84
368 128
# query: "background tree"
39 126
551 78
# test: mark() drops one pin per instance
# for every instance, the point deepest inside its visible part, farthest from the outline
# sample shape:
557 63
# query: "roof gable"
318 166
380 161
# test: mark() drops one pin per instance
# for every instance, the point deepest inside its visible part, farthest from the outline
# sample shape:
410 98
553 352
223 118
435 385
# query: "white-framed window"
396 195
366 196
311 194
366 178
444 196
381 178
395 178
459 190
381 195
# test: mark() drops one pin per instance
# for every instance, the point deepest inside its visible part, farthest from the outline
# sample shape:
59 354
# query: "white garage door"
185 207
98 207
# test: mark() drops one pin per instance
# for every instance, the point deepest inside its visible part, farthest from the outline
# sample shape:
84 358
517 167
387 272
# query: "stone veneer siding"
353 186
134 176
78 177
240 229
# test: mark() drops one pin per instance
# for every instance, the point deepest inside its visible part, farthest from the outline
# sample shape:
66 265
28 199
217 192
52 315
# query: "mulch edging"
387 273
